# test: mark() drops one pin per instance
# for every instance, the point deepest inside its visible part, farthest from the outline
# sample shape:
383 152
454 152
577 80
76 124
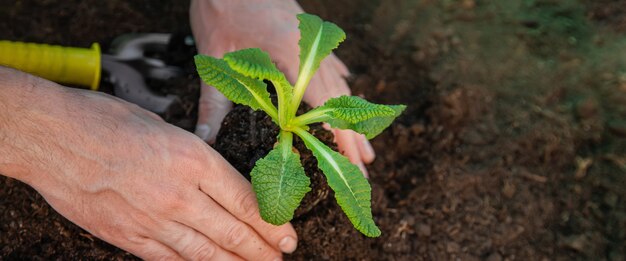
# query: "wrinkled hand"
222 26
129 178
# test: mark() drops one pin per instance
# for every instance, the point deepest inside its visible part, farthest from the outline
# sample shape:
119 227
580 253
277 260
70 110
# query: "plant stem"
305 74
285 141
283 107
312 116
298 93
270 110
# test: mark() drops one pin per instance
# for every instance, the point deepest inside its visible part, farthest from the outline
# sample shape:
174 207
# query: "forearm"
24 99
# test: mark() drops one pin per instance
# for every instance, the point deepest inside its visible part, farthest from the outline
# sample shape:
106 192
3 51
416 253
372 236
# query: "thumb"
212 109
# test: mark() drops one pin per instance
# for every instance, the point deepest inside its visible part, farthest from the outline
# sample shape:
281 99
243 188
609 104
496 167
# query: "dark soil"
513 146
247 135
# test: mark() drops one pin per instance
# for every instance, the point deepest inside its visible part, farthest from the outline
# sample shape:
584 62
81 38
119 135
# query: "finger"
340 66
348 146
212 109
341 86
326 84
149 249
190 244
285 60
234 193
365 148
225 230
363 169
315 93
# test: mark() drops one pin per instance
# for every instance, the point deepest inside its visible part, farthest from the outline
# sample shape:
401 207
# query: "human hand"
131 179
221 26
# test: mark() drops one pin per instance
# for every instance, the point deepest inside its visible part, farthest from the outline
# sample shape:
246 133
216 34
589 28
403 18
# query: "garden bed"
512 146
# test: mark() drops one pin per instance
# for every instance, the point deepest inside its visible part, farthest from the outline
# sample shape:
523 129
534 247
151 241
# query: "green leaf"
317 40
253 62
236 87
355 109
352 191
256 63
279 182
351 112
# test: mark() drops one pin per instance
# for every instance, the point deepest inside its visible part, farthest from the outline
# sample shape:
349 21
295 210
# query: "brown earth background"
513 146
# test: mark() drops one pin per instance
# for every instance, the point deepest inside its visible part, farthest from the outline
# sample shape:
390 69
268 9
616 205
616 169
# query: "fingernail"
288 245
203 131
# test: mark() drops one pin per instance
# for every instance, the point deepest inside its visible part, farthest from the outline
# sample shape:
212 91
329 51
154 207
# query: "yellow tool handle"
79 66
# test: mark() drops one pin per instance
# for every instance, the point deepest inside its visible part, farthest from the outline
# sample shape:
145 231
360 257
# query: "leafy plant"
278 179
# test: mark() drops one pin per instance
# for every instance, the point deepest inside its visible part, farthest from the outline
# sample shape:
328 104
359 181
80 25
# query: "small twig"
534 177
583 165
88 236
617 160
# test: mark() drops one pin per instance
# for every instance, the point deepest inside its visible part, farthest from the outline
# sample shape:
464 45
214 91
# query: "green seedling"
278 179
